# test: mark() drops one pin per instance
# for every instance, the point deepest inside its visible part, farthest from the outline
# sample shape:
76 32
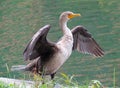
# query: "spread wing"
85 43
39 46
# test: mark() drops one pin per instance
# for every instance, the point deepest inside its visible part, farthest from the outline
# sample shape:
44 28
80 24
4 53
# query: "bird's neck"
63 26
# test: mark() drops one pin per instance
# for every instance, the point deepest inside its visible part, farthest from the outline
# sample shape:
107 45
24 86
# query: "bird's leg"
42 70
43 80
41 74
52 76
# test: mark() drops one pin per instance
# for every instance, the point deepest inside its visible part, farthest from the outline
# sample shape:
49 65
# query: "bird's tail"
28 67
18 68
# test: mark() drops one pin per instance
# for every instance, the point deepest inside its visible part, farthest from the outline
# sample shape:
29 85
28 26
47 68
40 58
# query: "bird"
47 57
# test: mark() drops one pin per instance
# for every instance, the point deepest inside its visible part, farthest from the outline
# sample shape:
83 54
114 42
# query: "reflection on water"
19 20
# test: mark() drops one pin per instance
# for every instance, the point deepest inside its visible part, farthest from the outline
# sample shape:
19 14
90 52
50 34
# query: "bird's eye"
69 14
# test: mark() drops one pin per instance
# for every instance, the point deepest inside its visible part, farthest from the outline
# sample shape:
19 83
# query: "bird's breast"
64 52
65 45
57 61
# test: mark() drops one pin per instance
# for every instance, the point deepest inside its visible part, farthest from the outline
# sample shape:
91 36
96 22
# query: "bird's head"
68 15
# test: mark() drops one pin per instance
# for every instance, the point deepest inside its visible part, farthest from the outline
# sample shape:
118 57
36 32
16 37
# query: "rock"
27 84
23 83
57 86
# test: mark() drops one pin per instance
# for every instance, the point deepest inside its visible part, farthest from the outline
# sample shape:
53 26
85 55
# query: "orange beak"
70 16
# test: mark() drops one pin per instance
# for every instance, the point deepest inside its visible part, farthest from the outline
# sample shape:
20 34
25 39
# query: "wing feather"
39 46
85 43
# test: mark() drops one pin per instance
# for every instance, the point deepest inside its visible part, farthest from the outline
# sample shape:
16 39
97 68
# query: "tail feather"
28 67
18 68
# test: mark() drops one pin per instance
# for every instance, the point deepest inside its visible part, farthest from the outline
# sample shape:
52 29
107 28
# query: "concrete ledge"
31 84
27 84
22 83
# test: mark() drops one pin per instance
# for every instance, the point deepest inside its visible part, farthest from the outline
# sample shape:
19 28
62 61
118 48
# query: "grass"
4 85
63 81
114 79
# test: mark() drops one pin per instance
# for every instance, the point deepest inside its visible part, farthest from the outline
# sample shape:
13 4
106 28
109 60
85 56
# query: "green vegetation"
114 79
65 82
4 85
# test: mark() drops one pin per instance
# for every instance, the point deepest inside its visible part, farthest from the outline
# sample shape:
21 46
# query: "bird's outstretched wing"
39 46
85 43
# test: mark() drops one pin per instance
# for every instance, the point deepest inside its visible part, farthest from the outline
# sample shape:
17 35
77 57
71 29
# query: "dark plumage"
85 43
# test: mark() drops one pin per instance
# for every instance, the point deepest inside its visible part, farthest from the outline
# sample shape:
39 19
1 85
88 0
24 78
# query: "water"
20 19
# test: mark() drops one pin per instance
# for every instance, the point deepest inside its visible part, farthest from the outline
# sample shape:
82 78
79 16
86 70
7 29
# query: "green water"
20 19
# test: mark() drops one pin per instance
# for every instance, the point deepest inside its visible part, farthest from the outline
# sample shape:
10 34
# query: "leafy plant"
114 85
